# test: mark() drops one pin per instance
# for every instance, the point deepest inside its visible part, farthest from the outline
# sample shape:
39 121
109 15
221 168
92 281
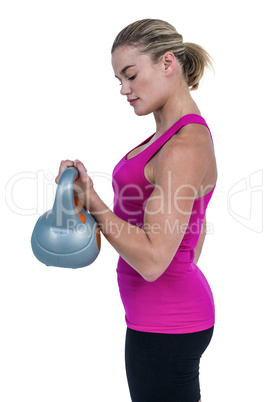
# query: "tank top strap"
156 145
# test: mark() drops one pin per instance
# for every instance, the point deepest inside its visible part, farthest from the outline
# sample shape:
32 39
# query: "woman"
162 189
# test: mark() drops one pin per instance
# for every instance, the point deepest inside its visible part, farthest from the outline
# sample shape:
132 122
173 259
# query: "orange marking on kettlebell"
98 237
76 203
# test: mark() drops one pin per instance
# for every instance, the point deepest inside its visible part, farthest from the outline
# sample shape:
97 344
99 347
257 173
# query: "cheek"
155 89
152 95
155 96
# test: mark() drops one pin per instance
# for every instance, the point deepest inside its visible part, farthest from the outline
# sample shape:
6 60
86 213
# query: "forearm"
131 242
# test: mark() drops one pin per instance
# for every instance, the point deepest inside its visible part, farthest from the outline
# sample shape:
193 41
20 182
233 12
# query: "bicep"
178 176
165 221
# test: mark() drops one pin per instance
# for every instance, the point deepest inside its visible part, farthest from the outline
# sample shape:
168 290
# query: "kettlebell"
67 235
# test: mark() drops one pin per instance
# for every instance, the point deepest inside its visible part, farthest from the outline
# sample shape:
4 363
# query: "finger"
81 169
80 165
64 165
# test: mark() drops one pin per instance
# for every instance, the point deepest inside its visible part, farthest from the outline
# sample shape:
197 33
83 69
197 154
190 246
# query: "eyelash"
130 78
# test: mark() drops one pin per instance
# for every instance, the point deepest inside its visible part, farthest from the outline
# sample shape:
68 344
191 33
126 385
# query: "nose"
125 88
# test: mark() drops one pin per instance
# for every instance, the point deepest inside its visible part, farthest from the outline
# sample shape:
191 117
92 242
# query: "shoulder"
191 146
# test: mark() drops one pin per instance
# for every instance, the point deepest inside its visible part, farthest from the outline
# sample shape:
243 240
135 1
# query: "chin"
140 112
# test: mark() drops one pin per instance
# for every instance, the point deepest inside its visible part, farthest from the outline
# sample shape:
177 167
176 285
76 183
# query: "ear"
169 62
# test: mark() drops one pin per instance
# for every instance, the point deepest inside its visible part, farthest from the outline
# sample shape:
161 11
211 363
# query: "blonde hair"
156 37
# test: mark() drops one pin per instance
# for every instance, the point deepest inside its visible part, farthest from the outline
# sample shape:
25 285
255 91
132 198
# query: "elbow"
151 277
155 264
154 271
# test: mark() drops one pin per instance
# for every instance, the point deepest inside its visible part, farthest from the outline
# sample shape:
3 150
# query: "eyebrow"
122 72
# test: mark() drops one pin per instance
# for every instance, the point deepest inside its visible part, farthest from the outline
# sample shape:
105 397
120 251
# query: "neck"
177 106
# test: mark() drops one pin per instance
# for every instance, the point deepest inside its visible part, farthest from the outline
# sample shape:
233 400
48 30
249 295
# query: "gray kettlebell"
67 235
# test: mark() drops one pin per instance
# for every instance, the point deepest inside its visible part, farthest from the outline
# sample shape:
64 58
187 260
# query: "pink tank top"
180 300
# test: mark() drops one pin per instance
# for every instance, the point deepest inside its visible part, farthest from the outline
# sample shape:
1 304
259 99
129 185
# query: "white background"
62 331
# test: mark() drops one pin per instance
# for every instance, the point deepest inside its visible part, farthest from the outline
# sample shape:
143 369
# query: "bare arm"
178 174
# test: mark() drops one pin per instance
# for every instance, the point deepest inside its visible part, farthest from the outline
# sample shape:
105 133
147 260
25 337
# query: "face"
141 80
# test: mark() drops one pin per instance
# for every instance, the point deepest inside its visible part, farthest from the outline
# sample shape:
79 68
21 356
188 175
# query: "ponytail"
196 59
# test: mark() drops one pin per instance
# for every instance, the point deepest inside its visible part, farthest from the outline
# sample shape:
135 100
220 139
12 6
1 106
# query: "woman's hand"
83 186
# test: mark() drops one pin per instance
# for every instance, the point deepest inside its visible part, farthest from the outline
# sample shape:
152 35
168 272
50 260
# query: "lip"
132 101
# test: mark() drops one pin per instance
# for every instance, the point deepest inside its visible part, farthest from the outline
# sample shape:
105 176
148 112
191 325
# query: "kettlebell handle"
64 206
68 177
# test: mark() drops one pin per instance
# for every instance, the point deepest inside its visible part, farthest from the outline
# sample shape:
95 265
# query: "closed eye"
130 78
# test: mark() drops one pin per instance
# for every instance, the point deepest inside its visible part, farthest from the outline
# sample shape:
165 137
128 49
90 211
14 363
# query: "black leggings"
164 367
